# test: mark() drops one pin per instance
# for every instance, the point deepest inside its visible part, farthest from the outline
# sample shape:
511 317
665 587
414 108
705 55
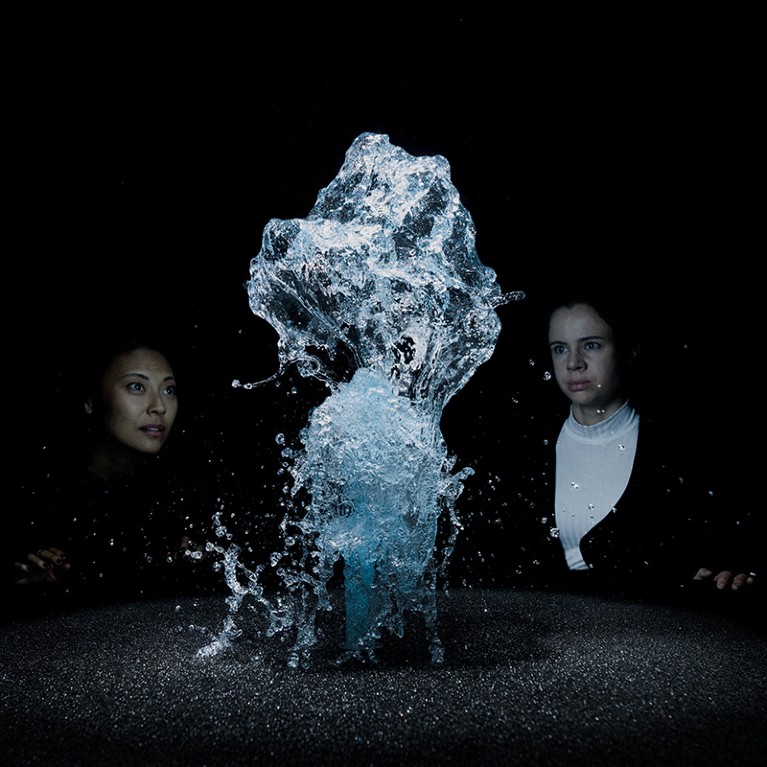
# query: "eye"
170 390
558 349
592 345
135 386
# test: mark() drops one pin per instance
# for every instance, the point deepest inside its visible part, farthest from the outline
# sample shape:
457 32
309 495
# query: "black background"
146 157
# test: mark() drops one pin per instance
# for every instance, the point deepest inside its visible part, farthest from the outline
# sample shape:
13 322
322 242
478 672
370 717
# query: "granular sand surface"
529 678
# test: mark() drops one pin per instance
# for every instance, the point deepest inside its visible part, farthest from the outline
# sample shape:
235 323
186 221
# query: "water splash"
380 294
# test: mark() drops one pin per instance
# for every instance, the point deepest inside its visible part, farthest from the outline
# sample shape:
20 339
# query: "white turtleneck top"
593 468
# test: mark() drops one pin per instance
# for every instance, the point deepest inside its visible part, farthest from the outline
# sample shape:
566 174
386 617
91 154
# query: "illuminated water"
380 294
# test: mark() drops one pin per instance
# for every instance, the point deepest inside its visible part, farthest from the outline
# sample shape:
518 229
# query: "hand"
725 579
47 565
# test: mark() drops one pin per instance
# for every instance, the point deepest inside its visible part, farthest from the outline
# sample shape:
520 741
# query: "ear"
88 405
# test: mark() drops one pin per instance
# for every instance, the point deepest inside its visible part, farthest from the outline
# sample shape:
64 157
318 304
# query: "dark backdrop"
144 168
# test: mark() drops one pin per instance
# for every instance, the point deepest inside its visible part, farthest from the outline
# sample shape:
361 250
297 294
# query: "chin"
152 449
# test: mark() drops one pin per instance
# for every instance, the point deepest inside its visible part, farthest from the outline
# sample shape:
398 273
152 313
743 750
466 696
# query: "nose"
574 360
157 404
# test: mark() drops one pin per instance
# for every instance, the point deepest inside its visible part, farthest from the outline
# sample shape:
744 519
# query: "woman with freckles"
124 524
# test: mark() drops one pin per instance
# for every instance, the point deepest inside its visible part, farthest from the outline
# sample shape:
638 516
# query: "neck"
588 416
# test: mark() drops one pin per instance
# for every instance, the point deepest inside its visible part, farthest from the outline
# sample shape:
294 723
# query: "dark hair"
74 375
618 309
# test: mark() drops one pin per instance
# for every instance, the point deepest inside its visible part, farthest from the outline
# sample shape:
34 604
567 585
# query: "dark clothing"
669 521
121 538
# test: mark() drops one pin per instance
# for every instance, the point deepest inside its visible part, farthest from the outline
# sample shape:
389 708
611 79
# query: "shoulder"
676 445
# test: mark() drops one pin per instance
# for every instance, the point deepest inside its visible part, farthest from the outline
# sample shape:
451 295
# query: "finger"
43 570
742 579
37 569
702 574
723 579
50 554
25 581
26 574
37 561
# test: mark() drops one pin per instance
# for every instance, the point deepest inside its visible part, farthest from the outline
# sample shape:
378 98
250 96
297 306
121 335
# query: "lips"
154 429
578 385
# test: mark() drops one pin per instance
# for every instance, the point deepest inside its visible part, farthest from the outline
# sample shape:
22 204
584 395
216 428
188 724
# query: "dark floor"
529 678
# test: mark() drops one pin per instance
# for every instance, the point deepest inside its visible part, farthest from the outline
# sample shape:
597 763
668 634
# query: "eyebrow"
136 374
580 340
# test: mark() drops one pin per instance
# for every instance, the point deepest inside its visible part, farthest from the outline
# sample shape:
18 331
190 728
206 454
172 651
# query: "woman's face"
138 400
586 363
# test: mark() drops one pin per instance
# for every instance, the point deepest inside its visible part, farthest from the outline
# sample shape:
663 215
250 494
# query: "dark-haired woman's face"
586 362
138 400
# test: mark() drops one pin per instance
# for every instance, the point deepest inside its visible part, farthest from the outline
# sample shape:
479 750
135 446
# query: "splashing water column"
381 463
381 280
